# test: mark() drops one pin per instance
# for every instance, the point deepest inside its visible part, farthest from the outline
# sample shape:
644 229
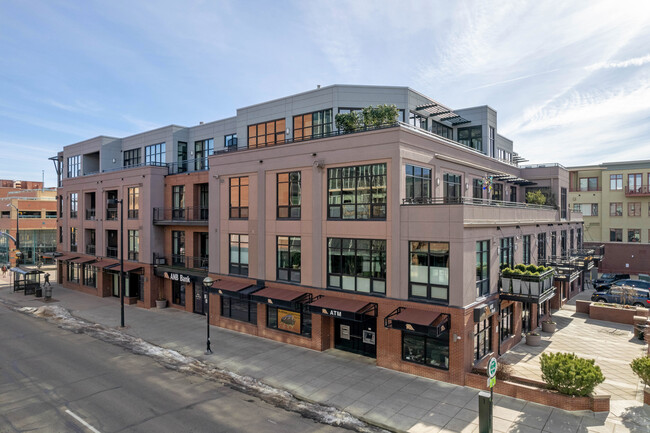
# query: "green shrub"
536 197
521 267
528 274
502 266
569 374
379 115
517 272
506 272
641 367
348 122
535 274
531 268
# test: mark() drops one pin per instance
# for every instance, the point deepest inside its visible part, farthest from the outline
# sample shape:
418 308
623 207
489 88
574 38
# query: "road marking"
85 424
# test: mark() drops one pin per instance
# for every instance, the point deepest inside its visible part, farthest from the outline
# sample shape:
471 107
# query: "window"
357 192
60 206
134 244
357 265
426 350
60 234
239 197
182 157
482 268
571 240
285 319
616 235
204 201
615 182
289 195
492 142
477 189
634 235
238 309
579 238
132 157
513 193
178 202
506 323
267 133
178 293
312 125
616 209
134 202
563 243
154 154
74 202
90 276
504 155
418 183
230 140
588 184
90 242
526 252
471 136
634 209
634 182
429 270
587 209
452 187
553 244
497 191
563 202
73 239
238 254
288 258
178 248
482 338
507 252
73 272
202 149
74 166
439 129
541 247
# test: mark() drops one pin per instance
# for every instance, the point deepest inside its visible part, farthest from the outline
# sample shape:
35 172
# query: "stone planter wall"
612 314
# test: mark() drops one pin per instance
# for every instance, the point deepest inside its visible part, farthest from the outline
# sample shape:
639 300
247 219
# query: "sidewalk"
394 400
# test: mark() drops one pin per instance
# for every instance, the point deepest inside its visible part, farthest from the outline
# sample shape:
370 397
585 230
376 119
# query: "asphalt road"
52 380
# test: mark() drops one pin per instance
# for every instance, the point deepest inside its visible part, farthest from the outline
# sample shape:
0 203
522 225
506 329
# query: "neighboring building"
386 241
36 209
614 198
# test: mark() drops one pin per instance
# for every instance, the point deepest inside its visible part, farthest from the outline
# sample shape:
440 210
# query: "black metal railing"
133 214
133 255
90 214
194 213
111 252
73 248
90 249
416 201
198 164
111 214
181 261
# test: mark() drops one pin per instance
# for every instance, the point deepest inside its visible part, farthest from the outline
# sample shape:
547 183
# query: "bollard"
484 412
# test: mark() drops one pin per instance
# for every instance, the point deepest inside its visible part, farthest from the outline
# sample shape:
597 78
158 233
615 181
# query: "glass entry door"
356 337
200 298
115 281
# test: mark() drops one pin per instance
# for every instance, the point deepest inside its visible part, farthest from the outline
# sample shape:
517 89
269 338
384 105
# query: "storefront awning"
484 311
104 264
128 267
83 259
343 308
22 271
281 297
67 257
235 289
430 323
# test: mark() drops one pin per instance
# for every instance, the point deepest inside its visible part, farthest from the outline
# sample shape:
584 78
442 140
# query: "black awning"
284 298
343 308
429 323
484 311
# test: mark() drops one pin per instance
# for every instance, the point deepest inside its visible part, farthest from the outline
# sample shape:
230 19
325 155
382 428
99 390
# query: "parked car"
624 294
607 279
632 283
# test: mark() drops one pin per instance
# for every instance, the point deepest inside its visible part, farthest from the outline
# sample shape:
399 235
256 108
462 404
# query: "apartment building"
386 241
614 198
28 217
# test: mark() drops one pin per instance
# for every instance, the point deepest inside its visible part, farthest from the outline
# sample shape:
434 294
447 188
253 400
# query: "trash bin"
38 293
639 329
48 292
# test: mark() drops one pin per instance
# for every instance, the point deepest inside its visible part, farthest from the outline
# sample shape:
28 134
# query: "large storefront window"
357 265
357 193
239 197
289 195
425 350
284 319
312 125
482 268
429 270
418 183
238 254
178 293
482 338
289 258
90 276
506 329
238 309
73 272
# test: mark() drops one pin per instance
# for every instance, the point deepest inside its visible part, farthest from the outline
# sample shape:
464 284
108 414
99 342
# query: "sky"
570 80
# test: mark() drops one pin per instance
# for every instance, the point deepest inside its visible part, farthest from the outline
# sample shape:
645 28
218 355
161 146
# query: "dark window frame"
155 154
377 284
293 183
179 293
133 194
375 176
506 329
452 190
262 137
74 204
134 244
426 340
473 140
305 319
434 258
482 268
293 274
238 267
202 150
526 245
227 311
74 166
418 182
507 251
324 126
482 333
235 189
132 157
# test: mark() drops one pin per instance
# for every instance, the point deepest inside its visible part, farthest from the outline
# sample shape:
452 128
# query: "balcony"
181 261
566 268
536 287
111 214
111 252
584 258
90 250
90 214
639 191
187 215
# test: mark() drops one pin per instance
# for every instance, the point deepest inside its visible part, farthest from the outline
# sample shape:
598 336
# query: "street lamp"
17 234
115 201
207 283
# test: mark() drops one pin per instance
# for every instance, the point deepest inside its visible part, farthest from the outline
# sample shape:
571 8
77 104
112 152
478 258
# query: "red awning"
231 286
128 267
418 317
280 294
340 304
83 259
104 263
67 257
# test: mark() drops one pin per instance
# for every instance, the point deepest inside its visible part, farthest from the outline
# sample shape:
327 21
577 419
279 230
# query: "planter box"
161 304
533 340
516 285
549 327
611 313
505 284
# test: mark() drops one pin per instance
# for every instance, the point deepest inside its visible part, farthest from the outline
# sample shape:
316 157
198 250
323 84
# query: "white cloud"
637 61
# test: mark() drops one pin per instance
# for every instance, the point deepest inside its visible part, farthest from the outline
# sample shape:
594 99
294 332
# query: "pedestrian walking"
4 271
47 280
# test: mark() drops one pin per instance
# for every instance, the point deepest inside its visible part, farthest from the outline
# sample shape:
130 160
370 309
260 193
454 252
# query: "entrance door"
115 281
356 337
525 317
200 298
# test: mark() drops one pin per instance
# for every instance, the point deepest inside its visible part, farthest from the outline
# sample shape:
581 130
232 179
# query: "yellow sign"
289 321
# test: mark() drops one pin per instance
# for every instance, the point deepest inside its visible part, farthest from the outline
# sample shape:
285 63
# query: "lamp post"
120 202
207 284
17 234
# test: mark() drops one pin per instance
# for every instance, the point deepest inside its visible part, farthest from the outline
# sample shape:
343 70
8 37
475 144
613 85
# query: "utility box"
484 412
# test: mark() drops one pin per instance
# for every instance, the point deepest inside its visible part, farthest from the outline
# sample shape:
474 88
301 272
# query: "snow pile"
174 360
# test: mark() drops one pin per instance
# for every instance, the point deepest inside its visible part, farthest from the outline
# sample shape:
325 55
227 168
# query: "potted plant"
549 326
533 338
506 279
525 282
641 367
516 280
161 302
535 284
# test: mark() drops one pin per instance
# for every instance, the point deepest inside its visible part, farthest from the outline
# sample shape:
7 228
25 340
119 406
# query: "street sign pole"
485 403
